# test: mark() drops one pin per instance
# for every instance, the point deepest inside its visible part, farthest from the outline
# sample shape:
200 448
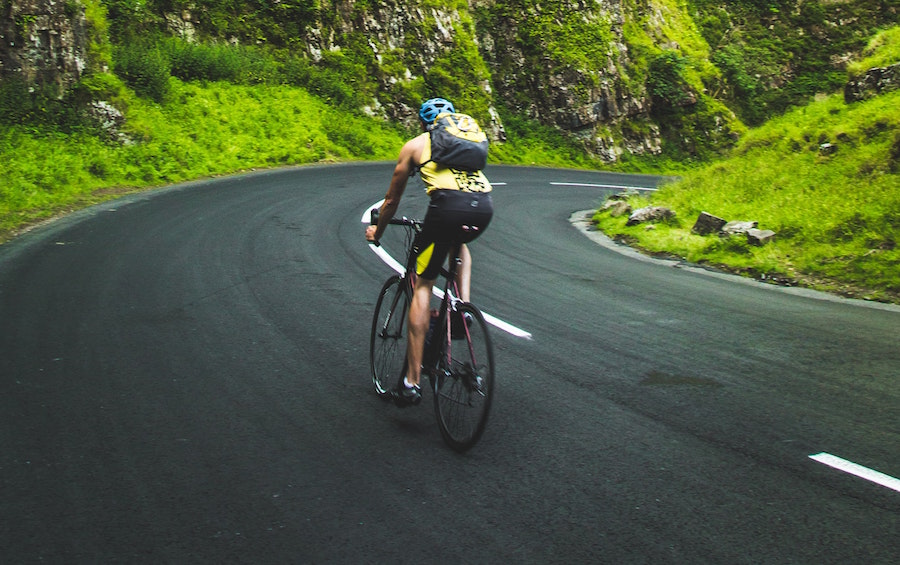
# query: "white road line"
386 257
367 215
616 186
507 327
395 265
858 470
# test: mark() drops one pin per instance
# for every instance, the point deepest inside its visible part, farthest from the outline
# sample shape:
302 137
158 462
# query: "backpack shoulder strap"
418 168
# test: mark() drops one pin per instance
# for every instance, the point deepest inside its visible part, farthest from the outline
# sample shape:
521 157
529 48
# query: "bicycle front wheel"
387 346
465 381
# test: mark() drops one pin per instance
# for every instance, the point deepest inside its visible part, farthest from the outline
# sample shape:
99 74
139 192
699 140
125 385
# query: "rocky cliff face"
408 47
565 63
42 42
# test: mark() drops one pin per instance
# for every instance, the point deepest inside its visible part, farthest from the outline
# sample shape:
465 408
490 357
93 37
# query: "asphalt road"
184 379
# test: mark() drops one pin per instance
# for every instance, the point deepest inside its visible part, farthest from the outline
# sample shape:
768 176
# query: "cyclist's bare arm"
409 157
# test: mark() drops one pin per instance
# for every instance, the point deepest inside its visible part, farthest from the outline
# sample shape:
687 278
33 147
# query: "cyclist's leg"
419 317
450 217
429 258
464 273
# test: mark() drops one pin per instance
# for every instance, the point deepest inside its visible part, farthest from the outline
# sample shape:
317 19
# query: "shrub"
666 82
145 67
40 107
213 62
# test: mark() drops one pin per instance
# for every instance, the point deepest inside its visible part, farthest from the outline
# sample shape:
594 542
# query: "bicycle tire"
387 344
462 407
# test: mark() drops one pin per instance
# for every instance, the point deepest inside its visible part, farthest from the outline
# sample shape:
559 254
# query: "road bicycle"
458 359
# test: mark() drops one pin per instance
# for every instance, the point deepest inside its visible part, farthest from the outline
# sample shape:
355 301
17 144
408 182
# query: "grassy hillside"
825 177
200 131
882 50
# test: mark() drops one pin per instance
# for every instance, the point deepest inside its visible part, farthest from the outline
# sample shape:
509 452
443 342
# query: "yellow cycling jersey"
439 177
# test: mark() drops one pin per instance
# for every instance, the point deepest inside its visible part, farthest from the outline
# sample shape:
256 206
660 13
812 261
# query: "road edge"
581 220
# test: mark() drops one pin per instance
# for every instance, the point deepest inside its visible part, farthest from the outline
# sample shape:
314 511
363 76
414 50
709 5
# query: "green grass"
837 215
882 50
198 131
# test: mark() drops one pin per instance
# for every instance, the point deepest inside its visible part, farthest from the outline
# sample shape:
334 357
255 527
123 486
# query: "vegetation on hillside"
197 131
777 54
825 177
882 50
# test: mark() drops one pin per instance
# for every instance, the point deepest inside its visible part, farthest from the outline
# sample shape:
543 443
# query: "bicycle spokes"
464 391
387 345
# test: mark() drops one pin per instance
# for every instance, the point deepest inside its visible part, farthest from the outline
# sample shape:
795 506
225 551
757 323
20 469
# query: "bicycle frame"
449 300
448 304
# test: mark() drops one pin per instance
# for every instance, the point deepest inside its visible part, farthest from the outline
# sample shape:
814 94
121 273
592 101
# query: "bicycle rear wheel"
465 383
387 346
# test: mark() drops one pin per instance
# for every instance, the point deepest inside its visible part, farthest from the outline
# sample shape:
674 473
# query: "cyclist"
460 209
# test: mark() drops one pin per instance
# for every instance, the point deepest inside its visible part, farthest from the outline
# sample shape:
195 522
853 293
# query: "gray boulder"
650 214
616 208
707 223
759 237
737 228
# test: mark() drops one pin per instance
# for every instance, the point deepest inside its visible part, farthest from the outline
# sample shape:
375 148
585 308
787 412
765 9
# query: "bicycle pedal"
412 397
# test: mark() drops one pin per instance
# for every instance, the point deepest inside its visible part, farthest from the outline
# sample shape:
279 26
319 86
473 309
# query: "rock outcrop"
43 42
707 223
405 42
589 95
874 82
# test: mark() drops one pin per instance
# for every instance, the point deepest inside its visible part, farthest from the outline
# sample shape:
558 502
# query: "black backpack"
458 142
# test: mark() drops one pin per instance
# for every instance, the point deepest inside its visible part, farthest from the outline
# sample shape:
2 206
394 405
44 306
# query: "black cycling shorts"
453 217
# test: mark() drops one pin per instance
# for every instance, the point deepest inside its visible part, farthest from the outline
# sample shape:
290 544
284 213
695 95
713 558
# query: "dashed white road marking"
396 266
872 475
615 186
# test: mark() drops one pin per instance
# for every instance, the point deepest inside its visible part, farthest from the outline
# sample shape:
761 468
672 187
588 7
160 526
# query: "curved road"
183 378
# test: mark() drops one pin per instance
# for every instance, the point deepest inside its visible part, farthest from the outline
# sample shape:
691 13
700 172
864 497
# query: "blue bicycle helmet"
431 108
